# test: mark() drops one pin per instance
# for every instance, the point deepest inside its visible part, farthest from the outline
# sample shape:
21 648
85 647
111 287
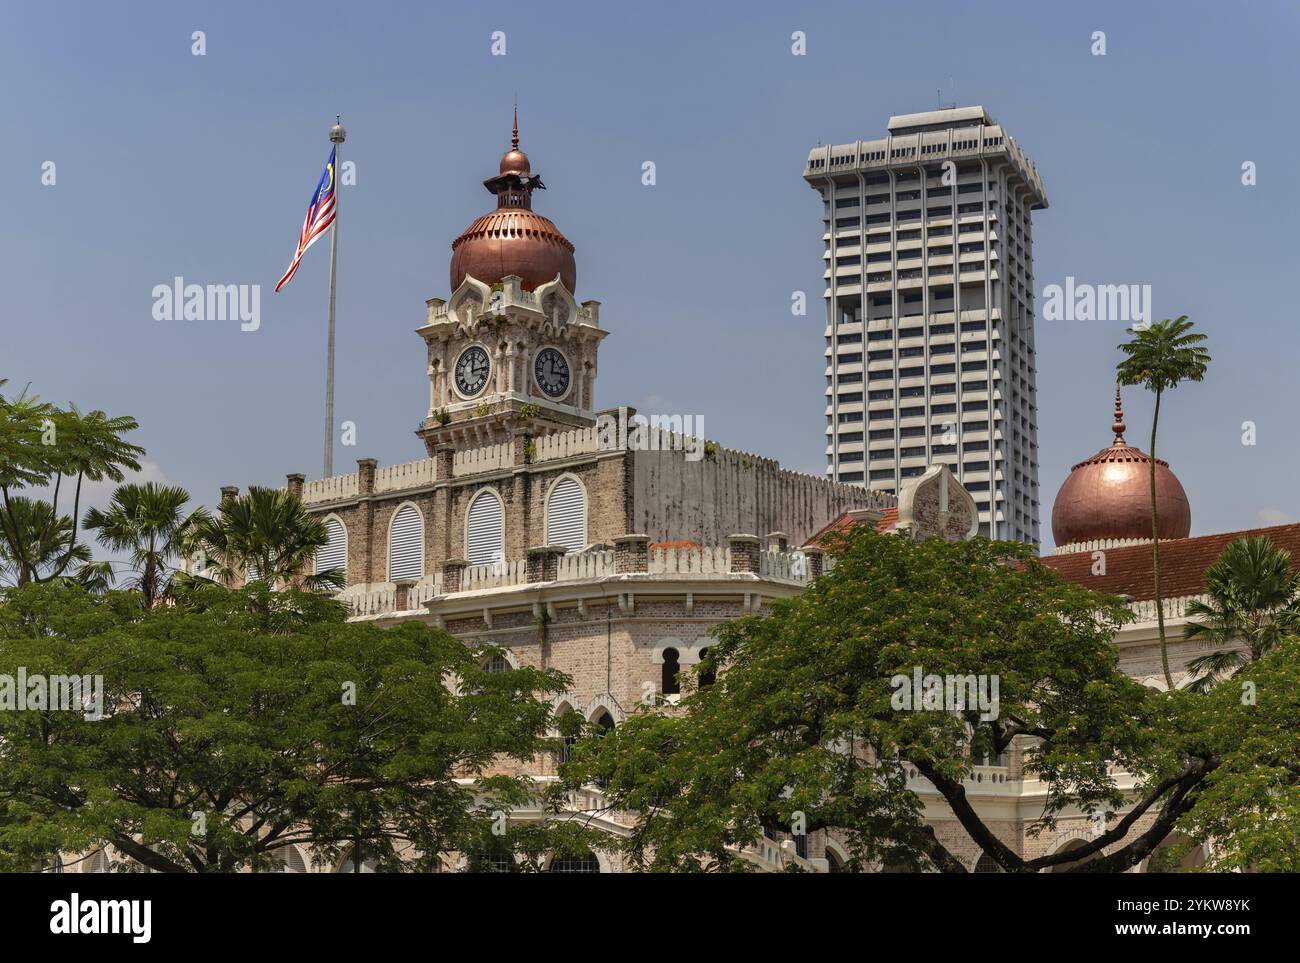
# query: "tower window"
566 515
334 553
406 544
485 529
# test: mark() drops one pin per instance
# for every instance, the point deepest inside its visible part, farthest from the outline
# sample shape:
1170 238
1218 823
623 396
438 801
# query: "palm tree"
148 522
267 532
36 539
1254 600
1161 357
41 444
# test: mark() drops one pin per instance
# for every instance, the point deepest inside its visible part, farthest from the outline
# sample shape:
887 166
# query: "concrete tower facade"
930 311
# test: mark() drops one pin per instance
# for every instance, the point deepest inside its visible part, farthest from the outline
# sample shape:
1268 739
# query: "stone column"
816 560
744 553
442 457
519 445
778 541
366 475
403 594
543 562
363 562
631 554
295 483
229 493
452 569
439 528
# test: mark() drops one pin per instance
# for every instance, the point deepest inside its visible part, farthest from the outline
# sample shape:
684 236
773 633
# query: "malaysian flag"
320 215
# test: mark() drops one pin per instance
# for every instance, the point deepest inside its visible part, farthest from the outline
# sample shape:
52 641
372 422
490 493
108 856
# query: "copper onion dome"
1108 496
513 239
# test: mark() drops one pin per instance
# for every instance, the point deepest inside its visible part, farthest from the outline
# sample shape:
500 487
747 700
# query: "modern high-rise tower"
930 310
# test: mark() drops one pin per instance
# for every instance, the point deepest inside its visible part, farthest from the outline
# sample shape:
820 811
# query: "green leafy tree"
1254 602
802 719
1160 358
43 445
149 522
267 530
1250 804
238 723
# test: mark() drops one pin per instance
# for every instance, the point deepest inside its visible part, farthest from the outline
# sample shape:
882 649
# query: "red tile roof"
889 518
1183 562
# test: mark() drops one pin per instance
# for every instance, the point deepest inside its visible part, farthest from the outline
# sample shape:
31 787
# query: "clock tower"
512 352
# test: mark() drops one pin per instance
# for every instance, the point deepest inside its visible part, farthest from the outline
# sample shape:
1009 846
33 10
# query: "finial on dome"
1118 426
514 137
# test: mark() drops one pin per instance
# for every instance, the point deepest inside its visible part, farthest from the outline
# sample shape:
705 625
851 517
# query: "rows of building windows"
565 521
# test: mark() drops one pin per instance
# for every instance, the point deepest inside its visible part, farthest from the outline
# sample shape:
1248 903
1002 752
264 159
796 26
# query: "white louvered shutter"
251 573
566 515
333 554
406 544
484 537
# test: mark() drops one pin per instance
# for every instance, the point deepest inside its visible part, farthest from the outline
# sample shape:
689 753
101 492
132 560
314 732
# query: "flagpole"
337 136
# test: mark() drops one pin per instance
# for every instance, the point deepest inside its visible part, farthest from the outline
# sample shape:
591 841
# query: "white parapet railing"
380 598
671 560
1175 608
414 474
580 565
690 560
476 461
490 575
423 591
771 856
565 444
331 489
374 599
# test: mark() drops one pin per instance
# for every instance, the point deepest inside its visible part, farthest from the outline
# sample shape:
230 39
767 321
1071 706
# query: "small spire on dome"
514 137
1118 426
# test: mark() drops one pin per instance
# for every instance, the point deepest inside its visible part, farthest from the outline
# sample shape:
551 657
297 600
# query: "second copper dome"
1108 496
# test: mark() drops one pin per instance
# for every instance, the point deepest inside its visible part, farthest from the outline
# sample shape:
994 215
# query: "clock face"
551 370
472 368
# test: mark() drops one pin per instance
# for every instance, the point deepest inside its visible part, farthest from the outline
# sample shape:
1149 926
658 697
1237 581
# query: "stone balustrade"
667 562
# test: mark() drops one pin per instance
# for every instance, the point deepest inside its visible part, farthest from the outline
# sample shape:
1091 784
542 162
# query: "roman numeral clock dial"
472 369
551 370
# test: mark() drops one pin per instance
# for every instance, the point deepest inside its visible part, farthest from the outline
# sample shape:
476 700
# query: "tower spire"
514 137
1118 426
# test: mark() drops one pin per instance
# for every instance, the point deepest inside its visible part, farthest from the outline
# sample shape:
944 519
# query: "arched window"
495 860
566 515
334 553
497 664
604 724
1070 847
670 683
582 863
288 859
707 676
833 862
97 863
367 865
986 864
406 544
485 529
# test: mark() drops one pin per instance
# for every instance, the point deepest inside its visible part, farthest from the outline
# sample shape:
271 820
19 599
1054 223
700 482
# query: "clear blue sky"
170 164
